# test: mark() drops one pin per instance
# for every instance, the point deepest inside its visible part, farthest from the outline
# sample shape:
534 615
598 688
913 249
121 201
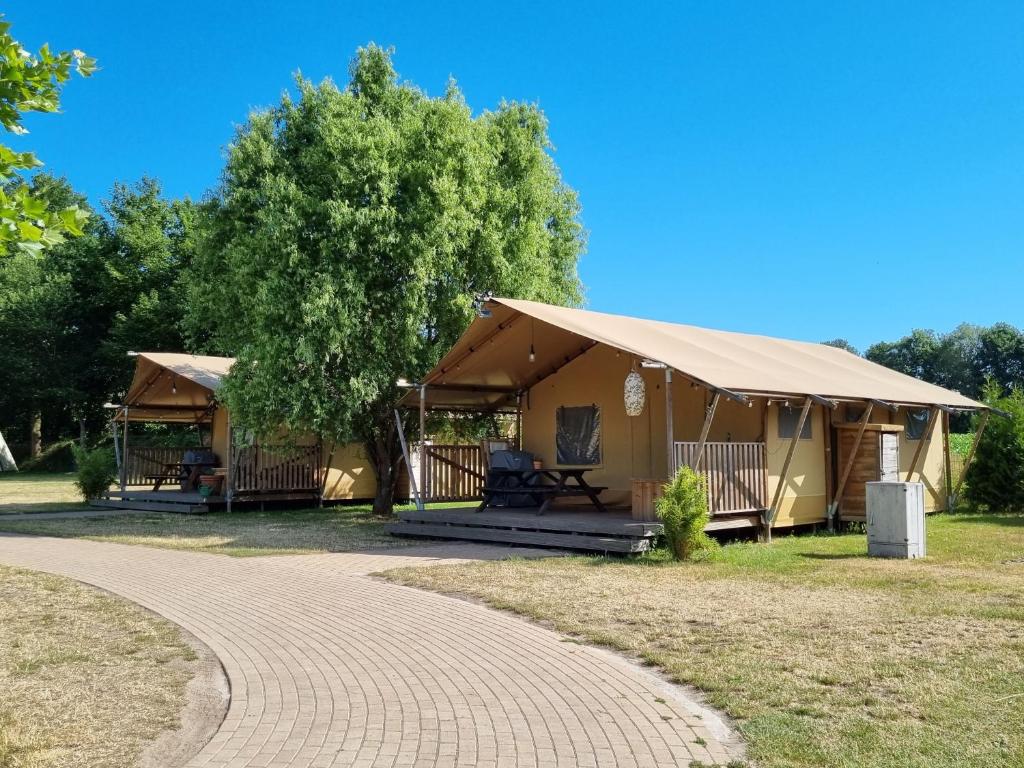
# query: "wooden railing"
454 472
145 460
737 474
277 468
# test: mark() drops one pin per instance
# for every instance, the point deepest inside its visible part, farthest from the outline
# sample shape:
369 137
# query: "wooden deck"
170 500
584 530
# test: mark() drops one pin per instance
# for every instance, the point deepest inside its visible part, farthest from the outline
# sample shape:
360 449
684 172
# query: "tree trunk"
385 452
35 436
81 432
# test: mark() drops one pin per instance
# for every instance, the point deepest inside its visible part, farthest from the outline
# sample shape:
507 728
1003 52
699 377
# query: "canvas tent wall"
182 389
535 358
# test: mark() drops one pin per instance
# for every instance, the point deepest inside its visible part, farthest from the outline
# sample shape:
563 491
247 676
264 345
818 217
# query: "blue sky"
808 170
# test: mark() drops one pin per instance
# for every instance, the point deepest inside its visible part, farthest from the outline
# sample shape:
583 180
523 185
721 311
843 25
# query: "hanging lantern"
635 393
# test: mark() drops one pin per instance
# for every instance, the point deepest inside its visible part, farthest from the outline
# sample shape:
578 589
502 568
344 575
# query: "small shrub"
96 471
683 510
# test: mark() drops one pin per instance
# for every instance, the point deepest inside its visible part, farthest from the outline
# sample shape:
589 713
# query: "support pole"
124 453
933 416
423 443
670 459
970 455
699 456
229 462
408 464
784 475
519 422
947 464
833 509
117 444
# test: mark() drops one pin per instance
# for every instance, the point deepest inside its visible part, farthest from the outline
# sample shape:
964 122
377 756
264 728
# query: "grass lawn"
86 680
45 492
823 656
243 533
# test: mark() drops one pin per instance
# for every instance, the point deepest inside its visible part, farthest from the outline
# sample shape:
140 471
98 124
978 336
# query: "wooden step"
731 523
584 542
555 522
150 506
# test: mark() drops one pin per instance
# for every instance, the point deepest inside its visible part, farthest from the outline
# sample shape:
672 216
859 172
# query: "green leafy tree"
995 480
842 344
32 83
69 314
351 230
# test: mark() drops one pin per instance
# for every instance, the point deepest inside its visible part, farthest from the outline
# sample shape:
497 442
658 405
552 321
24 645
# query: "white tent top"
490 361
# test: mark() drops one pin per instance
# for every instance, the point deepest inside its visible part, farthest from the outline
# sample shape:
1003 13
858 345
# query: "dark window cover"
578 435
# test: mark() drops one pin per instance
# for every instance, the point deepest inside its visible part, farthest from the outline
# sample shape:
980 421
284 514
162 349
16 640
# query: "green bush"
96 471
683 510
995 480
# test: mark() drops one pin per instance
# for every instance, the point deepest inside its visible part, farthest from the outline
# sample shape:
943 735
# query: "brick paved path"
329 667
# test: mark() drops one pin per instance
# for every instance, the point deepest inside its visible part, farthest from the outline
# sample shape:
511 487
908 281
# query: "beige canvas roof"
174 387
491 360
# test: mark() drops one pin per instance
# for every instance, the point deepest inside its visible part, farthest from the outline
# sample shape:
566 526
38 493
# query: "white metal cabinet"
895 519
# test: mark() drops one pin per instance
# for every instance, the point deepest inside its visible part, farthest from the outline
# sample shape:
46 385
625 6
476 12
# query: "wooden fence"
453 472
736 472
277 468
145 460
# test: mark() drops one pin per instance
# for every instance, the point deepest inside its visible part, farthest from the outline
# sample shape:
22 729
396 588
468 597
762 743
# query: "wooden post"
784 475
670 439
970 454
933 416
947 464
704 430
834 507
124 453
423 442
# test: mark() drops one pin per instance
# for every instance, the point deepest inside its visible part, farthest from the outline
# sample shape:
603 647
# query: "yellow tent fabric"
174 387
490 362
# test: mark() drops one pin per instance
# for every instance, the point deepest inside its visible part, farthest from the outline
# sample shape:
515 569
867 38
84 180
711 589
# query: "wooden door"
889 463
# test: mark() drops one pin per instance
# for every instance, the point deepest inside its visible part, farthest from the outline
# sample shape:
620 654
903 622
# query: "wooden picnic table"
546 484
176 471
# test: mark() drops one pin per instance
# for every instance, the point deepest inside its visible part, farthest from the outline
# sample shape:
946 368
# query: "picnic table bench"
553 484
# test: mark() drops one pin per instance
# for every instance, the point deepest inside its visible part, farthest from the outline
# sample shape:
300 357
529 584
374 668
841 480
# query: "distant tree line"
966 359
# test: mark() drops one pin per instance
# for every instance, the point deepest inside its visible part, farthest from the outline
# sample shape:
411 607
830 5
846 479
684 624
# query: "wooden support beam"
825 401
784 475
834 506
670 460
970 454
565 361
408 463
699 455
502 326
891 407
926 438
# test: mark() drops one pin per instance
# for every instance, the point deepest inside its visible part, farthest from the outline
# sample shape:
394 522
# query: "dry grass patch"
824 657
87 680
241 534
48 492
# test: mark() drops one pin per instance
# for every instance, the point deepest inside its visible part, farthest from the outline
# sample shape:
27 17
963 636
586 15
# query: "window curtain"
578 435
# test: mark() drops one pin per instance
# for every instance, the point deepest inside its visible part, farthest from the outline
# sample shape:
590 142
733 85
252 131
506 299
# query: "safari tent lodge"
786 432
222 466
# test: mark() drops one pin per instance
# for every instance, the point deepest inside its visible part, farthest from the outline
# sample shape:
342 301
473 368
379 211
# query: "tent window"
578 435
789 417
917 423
